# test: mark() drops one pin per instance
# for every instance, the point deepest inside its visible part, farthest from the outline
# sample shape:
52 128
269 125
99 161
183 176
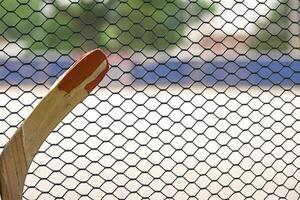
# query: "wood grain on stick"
71 88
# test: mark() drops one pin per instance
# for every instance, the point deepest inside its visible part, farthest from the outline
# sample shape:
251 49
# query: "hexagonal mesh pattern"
202 100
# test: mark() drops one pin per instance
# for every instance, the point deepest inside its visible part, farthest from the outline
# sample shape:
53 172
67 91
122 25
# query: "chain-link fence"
202 100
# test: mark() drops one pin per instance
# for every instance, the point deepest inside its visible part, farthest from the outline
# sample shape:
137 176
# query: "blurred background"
145 34
201 100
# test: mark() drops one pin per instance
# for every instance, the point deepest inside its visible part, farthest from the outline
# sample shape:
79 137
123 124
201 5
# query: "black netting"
202 99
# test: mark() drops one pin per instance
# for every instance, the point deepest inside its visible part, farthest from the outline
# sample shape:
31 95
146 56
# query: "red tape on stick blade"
90 86
82 69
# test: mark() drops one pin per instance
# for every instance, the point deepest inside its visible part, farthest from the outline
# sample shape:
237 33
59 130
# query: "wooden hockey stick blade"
71 88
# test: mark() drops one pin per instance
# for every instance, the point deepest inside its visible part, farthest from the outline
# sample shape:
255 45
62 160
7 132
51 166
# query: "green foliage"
153 24
136 24
19 18
274 33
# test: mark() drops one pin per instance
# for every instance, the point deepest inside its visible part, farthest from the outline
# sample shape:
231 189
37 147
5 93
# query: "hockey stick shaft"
72 87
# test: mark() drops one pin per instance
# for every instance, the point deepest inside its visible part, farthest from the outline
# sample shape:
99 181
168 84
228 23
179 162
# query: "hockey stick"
71 88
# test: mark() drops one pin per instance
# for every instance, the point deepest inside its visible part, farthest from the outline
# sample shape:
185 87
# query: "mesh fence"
202 99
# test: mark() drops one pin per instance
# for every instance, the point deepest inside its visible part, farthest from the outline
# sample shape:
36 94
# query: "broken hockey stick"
71 88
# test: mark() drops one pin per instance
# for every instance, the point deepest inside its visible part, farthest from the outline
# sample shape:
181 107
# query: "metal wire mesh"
201 102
